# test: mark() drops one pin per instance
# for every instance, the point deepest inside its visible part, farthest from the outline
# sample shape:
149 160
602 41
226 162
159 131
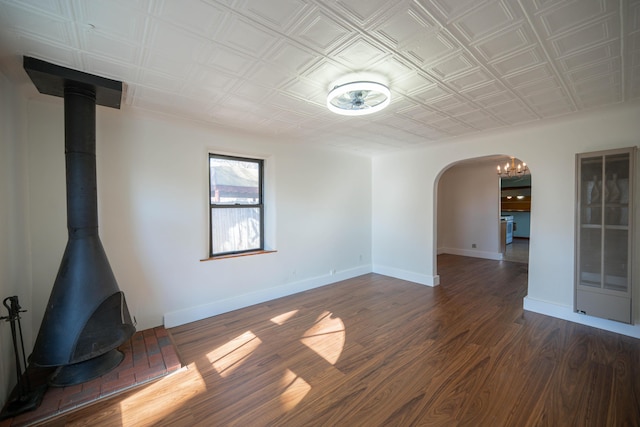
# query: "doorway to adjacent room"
515 211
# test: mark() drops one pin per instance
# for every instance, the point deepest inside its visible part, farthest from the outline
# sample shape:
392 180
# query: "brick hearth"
148 356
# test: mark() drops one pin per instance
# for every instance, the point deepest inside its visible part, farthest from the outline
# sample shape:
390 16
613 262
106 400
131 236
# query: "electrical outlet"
473 246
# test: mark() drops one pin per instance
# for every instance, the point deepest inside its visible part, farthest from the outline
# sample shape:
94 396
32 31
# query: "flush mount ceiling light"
358 98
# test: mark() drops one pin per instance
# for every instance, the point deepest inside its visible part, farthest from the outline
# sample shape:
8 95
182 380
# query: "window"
236 207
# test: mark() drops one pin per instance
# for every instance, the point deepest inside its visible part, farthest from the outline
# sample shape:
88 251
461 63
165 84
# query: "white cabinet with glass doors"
604 234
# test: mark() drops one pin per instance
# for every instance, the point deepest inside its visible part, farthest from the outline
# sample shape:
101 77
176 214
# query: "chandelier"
512 169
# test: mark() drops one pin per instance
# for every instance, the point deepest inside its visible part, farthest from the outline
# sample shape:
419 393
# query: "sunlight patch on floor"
280 319
295 390
228 357
139 409
326 337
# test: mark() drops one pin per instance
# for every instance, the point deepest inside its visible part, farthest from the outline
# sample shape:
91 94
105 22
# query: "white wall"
153 214
14 254
403 217
403 221
469 211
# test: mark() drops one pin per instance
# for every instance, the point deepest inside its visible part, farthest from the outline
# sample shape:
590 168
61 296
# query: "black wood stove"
86 318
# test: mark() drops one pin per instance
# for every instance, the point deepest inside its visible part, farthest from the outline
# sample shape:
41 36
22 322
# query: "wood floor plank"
625 386
378 351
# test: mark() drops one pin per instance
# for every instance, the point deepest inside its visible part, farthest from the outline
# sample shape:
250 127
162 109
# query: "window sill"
215 258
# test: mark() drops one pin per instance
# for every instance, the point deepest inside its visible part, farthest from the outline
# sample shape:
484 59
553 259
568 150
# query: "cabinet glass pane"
590 260
616 191
615 260
591 190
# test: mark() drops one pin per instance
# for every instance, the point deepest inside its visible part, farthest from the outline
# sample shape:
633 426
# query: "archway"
467 211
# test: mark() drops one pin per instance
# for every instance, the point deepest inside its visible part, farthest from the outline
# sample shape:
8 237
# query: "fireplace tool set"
24 397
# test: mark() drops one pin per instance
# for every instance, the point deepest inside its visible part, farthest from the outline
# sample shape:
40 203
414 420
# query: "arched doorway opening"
470 216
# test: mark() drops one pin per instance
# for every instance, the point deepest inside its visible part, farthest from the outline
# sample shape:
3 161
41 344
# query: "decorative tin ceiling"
454 67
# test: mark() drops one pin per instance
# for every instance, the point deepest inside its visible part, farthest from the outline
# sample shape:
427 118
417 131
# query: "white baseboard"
192 314
497 256
567 313
410 276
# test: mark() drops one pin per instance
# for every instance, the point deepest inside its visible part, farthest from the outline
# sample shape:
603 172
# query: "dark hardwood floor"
377 351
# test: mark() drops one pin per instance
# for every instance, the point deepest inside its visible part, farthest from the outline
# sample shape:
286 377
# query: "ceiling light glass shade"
358 98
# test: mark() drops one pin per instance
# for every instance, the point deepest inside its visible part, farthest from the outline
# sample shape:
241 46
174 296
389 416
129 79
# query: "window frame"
259 205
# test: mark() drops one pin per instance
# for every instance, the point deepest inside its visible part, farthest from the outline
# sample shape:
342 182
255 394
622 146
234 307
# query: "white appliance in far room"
509 235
